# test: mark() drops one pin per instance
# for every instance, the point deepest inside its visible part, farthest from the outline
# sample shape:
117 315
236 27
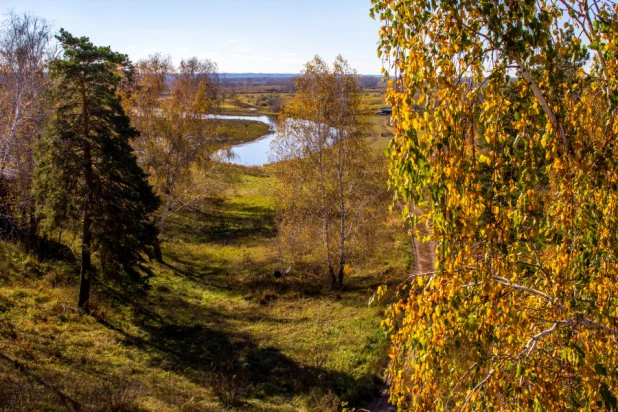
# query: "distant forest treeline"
281 79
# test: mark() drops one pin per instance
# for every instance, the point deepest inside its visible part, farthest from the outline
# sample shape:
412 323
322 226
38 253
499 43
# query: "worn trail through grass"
289 341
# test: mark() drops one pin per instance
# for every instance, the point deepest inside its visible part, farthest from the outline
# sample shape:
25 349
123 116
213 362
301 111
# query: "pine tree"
87 171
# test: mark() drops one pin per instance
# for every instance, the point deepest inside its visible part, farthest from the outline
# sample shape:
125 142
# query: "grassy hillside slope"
214 331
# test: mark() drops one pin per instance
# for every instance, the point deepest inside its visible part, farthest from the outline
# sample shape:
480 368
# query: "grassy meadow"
214 329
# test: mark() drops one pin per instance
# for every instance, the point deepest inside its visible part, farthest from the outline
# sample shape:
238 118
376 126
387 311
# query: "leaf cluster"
512 164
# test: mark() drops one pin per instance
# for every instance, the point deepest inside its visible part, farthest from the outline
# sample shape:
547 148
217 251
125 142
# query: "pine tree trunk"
33 227
84 278
157 249
86 269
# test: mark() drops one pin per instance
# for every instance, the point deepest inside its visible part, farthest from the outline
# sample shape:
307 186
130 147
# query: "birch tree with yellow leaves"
329 181
177 136
505 138
173 107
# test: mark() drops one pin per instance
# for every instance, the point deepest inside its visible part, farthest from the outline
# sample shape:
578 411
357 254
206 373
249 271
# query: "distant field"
254 100
375 97
381 133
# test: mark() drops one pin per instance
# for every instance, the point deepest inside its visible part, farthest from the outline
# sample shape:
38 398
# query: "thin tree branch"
533 341
544 104
481 383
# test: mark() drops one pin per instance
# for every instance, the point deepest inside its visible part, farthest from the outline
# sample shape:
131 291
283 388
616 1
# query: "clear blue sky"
264 36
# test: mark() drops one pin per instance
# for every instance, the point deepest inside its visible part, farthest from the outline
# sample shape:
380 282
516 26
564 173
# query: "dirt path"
424 258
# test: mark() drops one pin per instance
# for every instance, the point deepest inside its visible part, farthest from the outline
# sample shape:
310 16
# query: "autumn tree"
86 170
172 108
327 175
25 51
512 162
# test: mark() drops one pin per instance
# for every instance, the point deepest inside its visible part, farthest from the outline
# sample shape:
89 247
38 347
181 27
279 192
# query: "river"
254 153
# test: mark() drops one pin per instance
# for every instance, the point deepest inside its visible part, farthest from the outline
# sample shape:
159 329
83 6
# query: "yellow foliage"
513 163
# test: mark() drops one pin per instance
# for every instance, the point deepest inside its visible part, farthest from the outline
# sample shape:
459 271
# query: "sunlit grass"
214 330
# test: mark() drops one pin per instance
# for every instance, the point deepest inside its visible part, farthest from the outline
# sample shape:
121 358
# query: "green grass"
242 131
214 331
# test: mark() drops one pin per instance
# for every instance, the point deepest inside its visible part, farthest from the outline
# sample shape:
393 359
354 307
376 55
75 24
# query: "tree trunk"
33 224
9 140
170 199
333 278
329 262
157 249
340 277
544 104
86 268
325 217
86 264
342 214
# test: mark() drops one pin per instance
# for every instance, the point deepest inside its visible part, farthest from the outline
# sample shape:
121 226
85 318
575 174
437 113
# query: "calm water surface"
254 153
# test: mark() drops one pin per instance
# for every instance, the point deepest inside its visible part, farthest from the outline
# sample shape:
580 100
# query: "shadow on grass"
232 224
16 391
235 367
46 249
203 343
227 361
205 275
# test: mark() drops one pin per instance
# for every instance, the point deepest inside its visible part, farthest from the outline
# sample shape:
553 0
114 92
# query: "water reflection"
254 153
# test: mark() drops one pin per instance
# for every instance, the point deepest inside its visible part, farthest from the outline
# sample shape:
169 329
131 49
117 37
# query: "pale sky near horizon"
241 36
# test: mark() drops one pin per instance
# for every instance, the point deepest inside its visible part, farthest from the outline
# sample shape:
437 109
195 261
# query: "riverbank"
253 152
238 131
244 105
